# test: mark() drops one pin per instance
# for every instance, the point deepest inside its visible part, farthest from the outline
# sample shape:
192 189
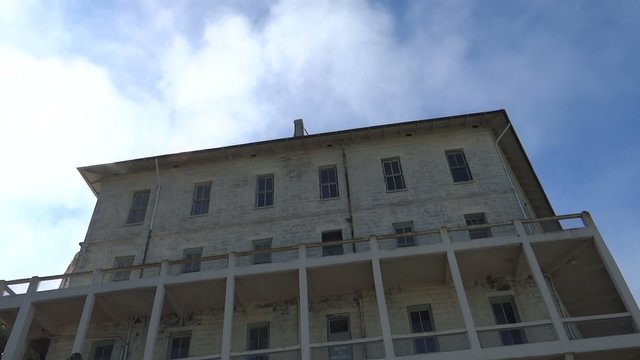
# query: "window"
201 197
393 178
421 320
101 350
328 182
477 219
264 194
122 262
265 257
404 228
179 345
330 236
338 330
193 255
505 312
138 207
258 338
458 165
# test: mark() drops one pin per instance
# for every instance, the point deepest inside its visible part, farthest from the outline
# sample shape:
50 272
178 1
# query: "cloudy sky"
89 82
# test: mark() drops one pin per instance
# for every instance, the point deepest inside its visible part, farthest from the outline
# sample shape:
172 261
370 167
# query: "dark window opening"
201 199
460 171
264 193
330 250
393 178
138 207
328 182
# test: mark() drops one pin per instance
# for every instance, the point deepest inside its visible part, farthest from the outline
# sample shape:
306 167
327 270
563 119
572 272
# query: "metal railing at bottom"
282 353
430 342
517 334
586 327
359 349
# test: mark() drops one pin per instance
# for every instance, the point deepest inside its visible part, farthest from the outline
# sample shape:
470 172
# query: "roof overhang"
498 121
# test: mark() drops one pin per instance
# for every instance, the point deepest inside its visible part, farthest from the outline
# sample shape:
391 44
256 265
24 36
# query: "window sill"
134 224
330 198
198 215
263 207
398 190
464 182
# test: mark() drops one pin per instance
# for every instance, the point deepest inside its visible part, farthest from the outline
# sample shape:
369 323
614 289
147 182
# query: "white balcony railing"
357 349
430 342
517 333
421 239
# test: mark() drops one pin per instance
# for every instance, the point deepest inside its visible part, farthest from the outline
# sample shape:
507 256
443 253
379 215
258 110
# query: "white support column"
17 342
156 314
385 325
229 299
303 304
614 271
458 284
83 325
538 278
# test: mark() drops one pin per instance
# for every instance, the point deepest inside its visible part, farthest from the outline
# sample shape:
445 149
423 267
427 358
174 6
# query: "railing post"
613 271
381 301
17 341
467 315
229 299
303 304
156 314
541 283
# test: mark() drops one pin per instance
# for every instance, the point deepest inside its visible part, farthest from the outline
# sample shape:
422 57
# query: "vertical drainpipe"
346 179
506 171
153 216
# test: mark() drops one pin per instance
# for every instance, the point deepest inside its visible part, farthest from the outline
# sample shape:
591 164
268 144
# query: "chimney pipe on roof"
298 128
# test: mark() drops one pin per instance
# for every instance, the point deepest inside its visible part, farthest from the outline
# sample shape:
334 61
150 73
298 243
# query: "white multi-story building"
428 239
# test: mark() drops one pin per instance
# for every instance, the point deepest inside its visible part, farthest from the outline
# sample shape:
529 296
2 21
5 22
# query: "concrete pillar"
538 278
614 271
83 325
465 308
17 341
3 286
303 304
156 314
385 325
229 299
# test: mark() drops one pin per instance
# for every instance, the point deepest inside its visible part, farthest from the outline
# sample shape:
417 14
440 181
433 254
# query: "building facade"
430 239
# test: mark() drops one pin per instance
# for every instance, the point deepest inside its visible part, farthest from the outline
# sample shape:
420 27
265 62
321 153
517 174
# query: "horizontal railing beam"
430 334
266 351
347 342
597 317
514 325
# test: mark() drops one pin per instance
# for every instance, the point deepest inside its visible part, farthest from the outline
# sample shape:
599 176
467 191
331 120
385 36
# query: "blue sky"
83 83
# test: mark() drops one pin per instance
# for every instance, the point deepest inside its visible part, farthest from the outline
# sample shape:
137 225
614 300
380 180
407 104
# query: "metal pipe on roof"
506 171
153 215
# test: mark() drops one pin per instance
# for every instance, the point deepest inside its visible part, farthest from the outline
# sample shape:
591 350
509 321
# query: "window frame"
330 185
453 168
427 344
262 244
200 204
259 325
474 219
400 228
175 336
101 343
122 275
394 176
138 213
263 194
194 255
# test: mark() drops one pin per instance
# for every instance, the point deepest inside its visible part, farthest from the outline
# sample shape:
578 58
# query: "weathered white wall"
299 215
